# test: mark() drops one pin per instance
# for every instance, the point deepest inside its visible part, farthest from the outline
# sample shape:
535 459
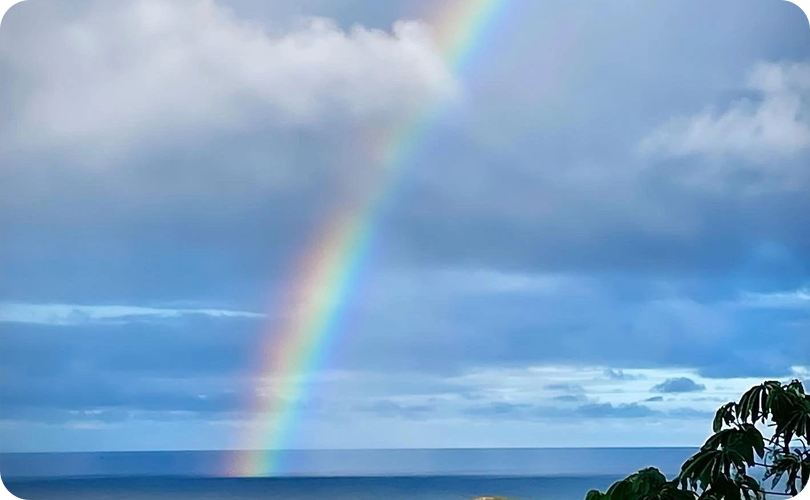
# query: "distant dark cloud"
607 410
508 411
654 399
691 413
565 387
88 398
715 399
181 347
392 409
188 365
620 375
570 398
499 409
680 384
519 411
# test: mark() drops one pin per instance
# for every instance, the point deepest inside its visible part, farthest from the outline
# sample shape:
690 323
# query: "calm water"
553 474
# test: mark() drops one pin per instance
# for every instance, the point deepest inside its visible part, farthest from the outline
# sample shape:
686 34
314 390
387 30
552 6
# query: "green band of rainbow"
333 262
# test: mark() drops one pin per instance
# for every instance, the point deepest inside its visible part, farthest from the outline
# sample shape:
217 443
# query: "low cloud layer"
74 314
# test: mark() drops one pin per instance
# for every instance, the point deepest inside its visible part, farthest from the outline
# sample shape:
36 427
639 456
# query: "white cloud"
120 74
771 128
74 314
795 299
482 280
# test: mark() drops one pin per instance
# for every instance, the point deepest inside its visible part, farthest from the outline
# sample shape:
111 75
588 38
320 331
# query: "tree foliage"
738 461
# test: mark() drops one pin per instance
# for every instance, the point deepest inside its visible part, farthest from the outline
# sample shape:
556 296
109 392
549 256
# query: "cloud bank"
773 126
676 385
114 78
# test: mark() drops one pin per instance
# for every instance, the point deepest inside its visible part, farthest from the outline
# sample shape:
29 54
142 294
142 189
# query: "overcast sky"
603 238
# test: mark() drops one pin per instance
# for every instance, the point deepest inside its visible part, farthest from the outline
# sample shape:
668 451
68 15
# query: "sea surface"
458 474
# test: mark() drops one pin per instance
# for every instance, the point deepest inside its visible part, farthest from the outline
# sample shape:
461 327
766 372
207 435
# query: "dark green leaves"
737 445
646 484
786 405
719 471
621 490
793 467
595 495
754 405
698 471
670 491
726 415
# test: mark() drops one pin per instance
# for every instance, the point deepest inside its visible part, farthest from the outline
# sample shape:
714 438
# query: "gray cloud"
392 409
77 396
775 127
185 347
223 69
565 387
475 207
680 384
607 410
570 398
586 411
522 232
620 375
691 413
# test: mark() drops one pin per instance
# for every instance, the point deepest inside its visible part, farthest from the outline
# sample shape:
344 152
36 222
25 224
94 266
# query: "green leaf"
754 441
647 482
796 386
621 490
595 495
702 468
751 483
724 415
719 470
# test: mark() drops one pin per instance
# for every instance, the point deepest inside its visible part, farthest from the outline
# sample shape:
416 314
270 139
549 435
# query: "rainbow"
331 266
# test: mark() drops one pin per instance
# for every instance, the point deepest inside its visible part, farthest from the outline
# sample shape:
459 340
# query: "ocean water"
549 474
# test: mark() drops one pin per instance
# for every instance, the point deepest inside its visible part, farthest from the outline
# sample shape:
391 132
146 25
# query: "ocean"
458 474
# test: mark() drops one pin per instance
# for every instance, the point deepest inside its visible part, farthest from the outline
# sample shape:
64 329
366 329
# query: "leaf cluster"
720 469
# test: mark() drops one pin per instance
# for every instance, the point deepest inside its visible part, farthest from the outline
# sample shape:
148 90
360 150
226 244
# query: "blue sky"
603 238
